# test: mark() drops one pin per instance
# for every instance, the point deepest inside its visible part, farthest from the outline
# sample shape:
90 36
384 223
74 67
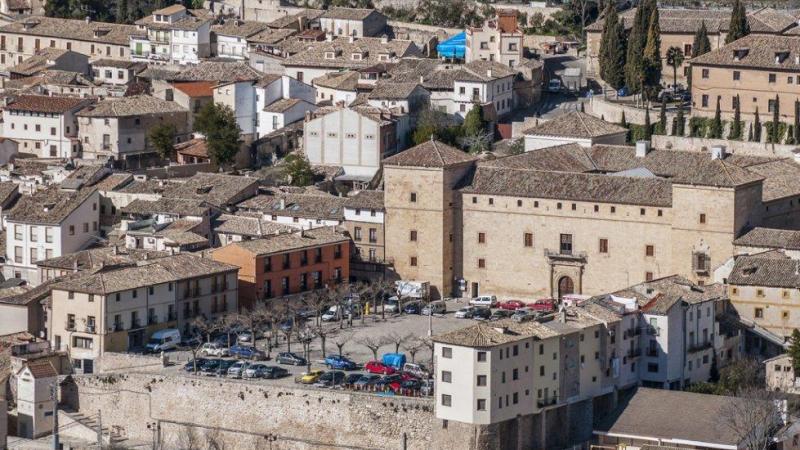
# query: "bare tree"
322 333
427 342
413 346
373 343
254 319
753 416
317 301
189 438
341 339
376 291
398 339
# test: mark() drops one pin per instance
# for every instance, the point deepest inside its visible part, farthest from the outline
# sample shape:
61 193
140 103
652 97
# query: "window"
447 376
759 313
704 73
481 356
527 239
481 404
447 352
705 101
648 276
413 262
357 233
446 400
603 245
702 218
613 209
413 197
481 238
642 211
72 230
759 292
649 250
772 78
481 380
652 367
771 105
481 263
736 75
565 244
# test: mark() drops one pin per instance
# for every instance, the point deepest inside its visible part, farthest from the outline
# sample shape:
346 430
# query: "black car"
290 358
275 372
351 379
501 314
482 314
413 308
210 366
387 380
410 384
189 367
222 369
333 378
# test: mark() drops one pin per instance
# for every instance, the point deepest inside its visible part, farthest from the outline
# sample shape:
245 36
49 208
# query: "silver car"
254 371
237 369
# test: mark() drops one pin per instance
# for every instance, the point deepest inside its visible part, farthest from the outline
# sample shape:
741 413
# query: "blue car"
246 352
413 308
339 362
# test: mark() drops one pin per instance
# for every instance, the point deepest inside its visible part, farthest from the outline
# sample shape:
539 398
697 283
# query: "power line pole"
54 397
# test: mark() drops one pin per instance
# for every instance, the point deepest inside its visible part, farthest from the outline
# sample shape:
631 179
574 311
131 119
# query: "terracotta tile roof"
238 28
271 36
688 21
341 50
392 90
268 79
219 71
193 20
196 89
215 189
114 181
47 104
42 60
249 226
484 335
118 64
429 154
575 125
658 296
78 30
284 104
343 81
300 239
148 273
311 206
100 257
773 269
366 200
485 71
770 238
291 19
132 106
195 147
755 51
48 206
349 13
780 175
8 190
170 10
174 206
42 369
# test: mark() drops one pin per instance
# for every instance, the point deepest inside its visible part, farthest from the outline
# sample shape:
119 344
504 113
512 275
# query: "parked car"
489 301
465 313
237 369
543 304
554 85
340 362
329 379
367 380
511 305
189 366
163 340
311 377
225 339
418 370
331 315
247 352
379 367
482 314
190 341
398 387
523 315
210 366
412 308
427 387
351 379
290 358
219 369
254 371
392 305
214 349
387 380
246 338
498 314
273 372
437 307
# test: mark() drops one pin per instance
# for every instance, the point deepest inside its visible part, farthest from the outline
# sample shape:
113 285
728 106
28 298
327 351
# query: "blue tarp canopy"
455 47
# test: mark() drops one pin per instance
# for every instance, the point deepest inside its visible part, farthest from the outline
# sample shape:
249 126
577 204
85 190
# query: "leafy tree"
715 132
652 57
674 59
122 11
615 56
432 122
757 127
736 125
218 124
162 138
794 350
700 46
634 60
796 122
298 169
776 118
739 27
609 28
680 122
474 124
661 127
517 147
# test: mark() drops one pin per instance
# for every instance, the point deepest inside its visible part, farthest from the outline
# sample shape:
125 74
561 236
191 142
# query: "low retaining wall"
740 147
125 362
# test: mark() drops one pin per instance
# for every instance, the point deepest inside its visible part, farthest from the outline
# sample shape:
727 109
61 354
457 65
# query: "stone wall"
741 147
243 413
125 362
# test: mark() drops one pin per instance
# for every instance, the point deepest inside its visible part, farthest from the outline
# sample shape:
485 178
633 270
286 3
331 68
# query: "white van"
163 340
437 307
489 301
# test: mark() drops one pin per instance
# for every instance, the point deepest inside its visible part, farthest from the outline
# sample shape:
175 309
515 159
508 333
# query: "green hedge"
781 131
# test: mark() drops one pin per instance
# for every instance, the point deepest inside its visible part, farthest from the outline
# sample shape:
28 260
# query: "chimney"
88 20
642 148
114 250
421 79
384 39
489 73
308 116
282 203
351 39
329 37
718 152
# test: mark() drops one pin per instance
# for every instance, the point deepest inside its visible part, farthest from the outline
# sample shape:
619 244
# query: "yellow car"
311 377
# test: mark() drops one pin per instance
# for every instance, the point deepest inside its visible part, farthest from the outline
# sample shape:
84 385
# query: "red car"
379 367
511 305
544 304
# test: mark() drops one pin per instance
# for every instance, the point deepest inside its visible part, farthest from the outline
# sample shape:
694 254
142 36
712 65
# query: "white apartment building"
353 22
280 101
118 310
174 35
304 211
499 39
49 223
484 83
231 37
115 72
45 126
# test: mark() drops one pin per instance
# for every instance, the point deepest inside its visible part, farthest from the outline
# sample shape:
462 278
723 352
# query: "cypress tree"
615 56
609 28
796 121
623 123
716 125
634 63
736 125
700 46
750 133
680 122
794 350
648 130
662 117
652 57
738 27
757 127
776 117
789 135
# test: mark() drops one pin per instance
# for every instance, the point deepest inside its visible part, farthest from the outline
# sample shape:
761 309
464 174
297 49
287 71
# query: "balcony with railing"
569 255
699 346
118 326
152 319
547 401
90 328
634 352
135 323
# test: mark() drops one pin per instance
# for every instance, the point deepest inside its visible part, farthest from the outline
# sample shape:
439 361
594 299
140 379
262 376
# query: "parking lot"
412 327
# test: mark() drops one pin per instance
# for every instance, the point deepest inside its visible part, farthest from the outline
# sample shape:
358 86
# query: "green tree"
652 57
624 123
474 124
776 120
715 131
789 135
648 129
661 127
432 122
609 28
162 138
794 350
674 59
298 169
736 125
700 46
615 57
796 121
218 124
756 127
122 11
739 27
680 122
637 39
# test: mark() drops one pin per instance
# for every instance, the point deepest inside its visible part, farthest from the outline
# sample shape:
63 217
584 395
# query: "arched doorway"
565 287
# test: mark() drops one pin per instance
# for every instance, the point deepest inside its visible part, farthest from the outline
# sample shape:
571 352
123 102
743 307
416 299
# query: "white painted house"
573 128
36 383
280 101
231 37
45 126
175 35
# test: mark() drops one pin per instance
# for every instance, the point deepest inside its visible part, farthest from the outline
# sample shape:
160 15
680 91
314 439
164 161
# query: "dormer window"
356 56
781 56
383 57
740 53
330 55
